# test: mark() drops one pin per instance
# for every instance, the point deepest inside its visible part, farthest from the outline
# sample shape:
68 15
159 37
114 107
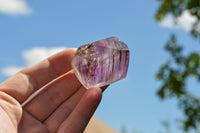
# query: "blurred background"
161 93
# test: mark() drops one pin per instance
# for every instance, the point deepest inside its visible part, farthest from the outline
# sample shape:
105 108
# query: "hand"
63 106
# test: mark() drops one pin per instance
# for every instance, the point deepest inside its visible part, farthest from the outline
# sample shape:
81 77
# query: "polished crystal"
101 63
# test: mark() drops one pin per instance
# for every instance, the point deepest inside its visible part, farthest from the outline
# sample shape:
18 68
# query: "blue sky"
32 26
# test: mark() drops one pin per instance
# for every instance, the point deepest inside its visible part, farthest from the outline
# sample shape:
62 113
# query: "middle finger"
52 96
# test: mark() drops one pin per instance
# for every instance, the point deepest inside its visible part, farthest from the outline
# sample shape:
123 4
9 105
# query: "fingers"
79 118
52 96
30 79
104 88
61 113
29 124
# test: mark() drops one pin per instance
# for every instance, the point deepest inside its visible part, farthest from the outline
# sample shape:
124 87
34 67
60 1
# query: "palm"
62 106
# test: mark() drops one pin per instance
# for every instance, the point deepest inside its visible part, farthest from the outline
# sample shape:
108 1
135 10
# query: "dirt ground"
96 126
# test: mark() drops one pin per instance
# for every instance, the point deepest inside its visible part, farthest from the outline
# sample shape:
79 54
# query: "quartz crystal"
101 63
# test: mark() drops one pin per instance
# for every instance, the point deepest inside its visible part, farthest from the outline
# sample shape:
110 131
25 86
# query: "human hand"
63 106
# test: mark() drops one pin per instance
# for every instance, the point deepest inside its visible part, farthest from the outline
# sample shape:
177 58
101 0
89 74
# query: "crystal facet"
101 63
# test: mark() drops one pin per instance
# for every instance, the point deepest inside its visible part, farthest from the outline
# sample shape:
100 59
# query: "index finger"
30 79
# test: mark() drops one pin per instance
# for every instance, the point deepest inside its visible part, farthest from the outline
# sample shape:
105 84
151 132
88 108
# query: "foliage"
123 130
166 125
174 74
176 71
176 8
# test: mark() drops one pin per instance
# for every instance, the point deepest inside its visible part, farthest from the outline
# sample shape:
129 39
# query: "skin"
63 106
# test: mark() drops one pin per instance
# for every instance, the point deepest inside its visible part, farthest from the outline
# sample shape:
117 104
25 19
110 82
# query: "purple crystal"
101 63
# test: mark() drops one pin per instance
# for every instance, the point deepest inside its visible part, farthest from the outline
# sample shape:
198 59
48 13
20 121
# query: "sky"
33 30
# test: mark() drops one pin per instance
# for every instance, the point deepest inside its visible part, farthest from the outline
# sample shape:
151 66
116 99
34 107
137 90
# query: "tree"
124 129
176 71
166 125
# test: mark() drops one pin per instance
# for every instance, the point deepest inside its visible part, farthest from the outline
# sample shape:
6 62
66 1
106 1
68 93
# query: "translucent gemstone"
101 63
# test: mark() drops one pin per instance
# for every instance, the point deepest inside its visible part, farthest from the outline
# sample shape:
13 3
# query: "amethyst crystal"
101 63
